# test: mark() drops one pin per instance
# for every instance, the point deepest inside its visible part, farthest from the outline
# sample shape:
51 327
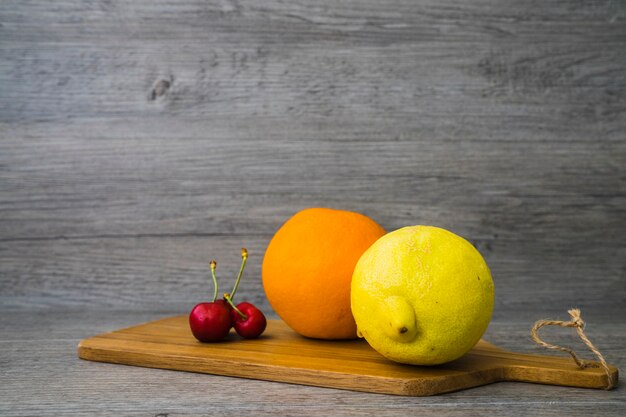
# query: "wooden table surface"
139 139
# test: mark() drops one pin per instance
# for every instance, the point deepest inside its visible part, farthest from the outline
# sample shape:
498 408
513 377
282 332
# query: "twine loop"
578 323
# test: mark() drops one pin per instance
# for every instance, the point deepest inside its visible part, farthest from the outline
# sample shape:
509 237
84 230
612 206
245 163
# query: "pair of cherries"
211 322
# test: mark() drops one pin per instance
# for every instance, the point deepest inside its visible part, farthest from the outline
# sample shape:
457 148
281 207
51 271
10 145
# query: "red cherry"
252 324
210 322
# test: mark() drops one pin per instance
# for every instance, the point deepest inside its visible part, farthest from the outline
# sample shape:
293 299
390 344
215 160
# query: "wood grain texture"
140 139
281 355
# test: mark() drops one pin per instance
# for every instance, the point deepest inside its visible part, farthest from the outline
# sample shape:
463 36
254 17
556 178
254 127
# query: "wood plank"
408 61
119 185
170 274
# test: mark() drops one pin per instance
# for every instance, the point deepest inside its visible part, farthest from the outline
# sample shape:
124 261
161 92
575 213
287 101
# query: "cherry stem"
213 265
244 258
227 297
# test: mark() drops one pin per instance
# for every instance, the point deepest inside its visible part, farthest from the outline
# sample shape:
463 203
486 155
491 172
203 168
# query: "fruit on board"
211 322
422 295
248 321
307 269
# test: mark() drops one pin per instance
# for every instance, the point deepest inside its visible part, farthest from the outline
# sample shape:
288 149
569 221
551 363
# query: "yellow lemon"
422 295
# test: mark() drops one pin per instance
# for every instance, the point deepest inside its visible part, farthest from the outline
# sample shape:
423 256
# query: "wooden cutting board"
282 355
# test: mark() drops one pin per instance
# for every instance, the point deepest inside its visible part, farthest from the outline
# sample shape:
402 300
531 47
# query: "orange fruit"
307 270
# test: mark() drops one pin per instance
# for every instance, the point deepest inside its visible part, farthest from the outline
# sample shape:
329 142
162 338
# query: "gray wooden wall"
140 139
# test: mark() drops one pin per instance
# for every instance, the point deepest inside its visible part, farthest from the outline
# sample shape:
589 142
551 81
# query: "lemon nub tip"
401 324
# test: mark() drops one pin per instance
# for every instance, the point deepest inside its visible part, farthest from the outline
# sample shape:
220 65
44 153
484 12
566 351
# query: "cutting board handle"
553 370
577 323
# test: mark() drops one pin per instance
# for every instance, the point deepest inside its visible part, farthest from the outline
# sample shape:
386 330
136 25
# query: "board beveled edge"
413 387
